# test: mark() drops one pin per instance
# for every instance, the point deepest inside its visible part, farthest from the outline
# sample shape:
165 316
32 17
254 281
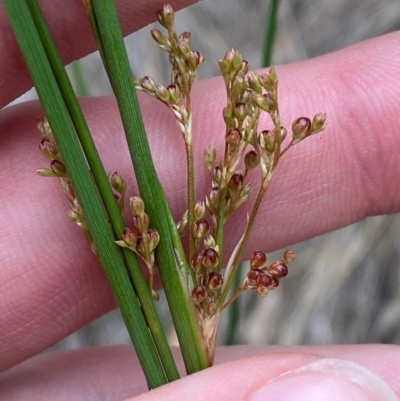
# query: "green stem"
101 179
81 87
191 196
182 311
68 144
242 246
270 33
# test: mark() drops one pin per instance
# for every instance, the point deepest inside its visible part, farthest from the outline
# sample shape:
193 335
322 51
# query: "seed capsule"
195 262
199 294
301 128
278 269
264 280
233 138
201 228
215 281
257 259
210 258
236 182
251 159
253 275
289 256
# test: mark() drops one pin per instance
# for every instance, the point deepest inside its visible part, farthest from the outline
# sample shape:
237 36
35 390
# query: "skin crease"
328 181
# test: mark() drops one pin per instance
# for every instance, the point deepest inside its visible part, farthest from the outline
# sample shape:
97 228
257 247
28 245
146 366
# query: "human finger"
69 23
350 372
51 284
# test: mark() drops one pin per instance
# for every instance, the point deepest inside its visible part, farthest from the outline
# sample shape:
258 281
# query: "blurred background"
344 287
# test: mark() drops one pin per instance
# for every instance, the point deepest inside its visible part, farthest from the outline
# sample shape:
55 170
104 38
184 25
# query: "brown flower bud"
210 258
245 67
263 102
254 82
174 93
166 16
199 294
278 269
217 175
185 37
251 159
199 210
141 222
209 242
158 37
129 237
267 140
246 192
200 229
266 82
233 138
257 259
58 168
148 84
236 182
162 93
49 149
195 262
301 128
137 205
215 281
274 284
289 256
239 111
117 183
153 239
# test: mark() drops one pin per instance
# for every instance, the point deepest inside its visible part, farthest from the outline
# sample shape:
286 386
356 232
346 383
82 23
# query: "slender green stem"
182 311
270 33
191 196
81 86
105 191
242 246
68 144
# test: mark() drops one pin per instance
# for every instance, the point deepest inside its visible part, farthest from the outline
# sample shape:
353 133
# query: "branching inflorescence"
247 147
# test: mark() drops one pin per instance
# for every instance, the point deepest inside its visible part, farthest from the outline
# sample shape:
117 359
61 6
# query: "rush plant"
189 255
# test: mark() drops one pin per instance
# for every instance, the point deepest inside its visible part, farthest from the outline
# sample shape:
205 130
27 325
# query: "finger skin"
69 25
51 284
113 373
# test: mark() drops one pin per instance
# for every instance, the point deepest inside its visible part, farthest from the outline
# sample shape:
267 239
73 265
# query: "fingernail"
326 379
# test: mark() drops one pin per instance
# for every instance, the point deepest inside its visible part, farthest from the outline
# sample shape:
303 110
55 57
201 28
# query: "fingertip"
326 379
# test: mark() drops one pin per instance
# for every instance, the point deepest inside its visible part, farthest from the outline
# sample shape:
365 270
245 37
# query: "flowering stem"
191 195
242 246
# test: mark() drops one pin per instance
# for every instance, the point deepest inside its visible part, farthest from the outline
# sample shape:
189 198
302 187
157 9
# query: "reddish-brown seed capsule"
251 159
252 276
210 258
195 262
278 269
58 168
236 182
233 138
201 228
48 148
215 281
129 237
264 280
199 294
274 284
301 127
257 259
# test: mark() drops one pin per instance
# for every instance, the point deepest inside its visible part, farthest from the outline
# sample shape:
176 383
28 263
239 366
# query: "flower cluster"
246 148
142 240
49 149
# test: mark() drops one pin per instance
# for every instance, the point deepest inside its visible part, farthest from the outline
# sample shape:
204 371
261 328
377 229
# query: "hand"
51 283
